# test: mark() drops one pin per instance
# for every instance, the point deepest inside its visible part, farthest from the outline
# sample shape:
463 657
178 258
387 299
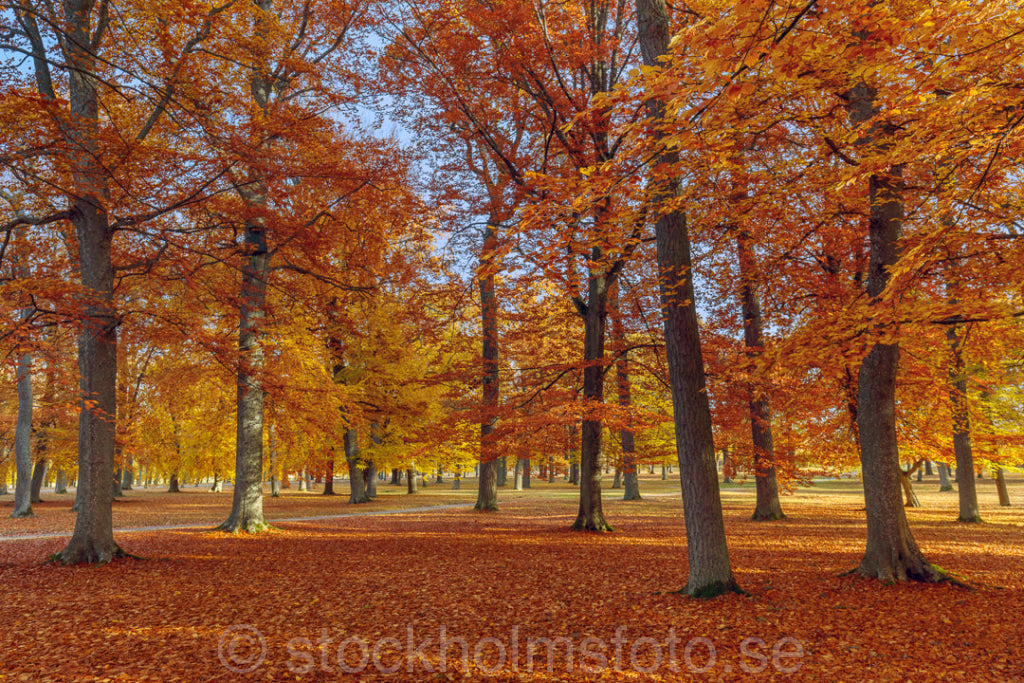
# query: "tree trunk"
23 440
966 489
928 468
247 502
356 475
303 481
488 479
726 467
767 506
911 500
526 473
664 472
627 471
128 474
38 475
617 479
173 485
275 483
61 485
574 474
891 553
93 538
551 469
517 484
944 483
370 479
1004 495
329 477
590 516
410 474
502 471
709 572
218 484
439 479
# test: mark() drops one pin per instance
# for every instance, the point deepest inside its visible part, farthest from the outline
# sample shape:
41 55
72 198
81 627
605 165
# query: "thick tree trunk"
410 474
23 440
356 476
928 468
173 486
767 506
1004 495
61 485
551 469
93 537
965 486
891 553
944 483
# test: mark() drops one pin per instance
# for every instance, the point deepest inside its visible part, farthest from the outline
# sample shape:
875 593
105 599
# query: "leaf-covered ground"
207 606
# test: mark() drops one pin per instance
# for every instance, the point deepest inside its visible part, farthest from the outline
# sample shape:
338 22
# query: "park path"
314 518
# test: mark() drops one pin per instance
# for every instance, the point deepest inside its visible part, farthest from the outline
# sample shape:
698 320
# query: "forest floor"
386 590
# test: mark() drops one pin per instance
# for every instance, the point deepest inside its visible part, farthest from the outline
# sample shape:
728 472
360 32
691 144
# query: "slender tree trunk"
329 477
275 483
726 467
710 572
303 481
627 471
526 473
551 469
965 486
891 553
23 440
488 479
247 502
1004 494
410 474
928 468
517 481
128 474
356 476
767 506
944 483
908 491
38 475
502 471
590 516
61 485
370 479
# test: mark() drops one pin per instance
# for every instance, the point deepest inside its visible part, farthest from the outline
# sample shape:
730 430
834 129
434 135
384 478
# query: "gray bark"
411 486
275 483
93 538
965 486
38 475
944 483
710 572
488 480
502 471
247 500
1004 495
370 478
172 486
517 480
23 440
767 506
61 485
627 470
356 475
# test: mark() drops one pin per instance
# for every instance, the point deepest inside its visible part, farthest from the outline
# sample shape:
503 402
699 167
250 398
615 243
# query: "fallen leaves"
388 590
